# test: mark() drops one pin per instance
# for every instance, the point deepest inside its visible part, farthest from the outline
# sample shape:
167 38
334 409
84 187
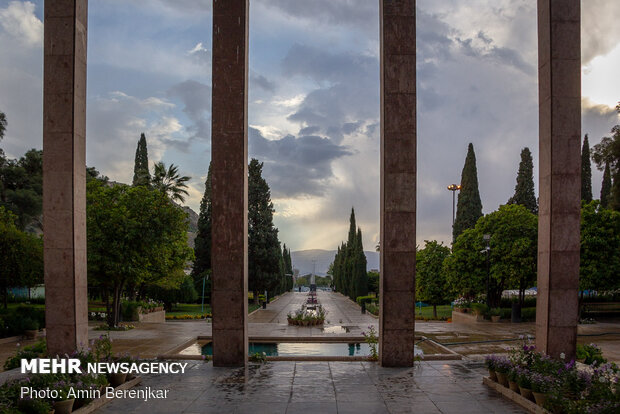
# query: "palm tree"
3 124
169 182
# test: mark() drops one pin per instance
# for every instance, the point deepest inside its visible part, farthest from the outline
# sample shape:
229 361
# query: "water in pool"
305 349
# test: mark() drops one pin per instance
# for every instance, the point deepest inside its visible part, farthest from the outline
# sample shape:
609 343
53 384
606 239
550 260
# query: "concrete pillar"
64 174
559 78
398 182
229 152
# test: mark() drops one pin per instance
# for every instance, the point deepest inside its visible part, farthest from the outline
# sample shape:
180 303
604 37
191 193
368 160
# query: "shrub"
590 353
35 350
365 299
479 308
528 314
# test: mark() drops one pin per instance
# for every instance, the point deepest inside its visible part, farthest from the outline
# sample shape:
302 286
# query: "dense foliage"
201 270
524 190
469 205
512 259
21 256
600 248
141 174
135 235
349 267
608 152
586 171
21 188
266 270
430 275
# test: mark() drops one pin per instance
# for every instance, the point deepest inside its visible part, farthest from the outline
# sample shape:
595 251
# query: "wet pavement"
321 387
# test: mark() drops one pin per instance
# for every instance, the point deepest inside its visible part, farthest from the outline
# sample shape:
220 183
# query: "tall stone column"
229 152
64 175
398 182
559 78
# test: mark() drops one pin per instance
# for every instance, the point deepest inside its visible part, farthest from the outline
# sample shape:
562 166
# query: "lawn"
189 309
194 309
427 311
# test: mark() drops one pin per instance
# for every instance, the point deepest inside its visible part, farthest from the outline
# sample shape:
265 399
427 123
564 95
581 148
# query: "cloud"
114 124
262 82
349 97
196 98
296 166
18 19
599 28
330 12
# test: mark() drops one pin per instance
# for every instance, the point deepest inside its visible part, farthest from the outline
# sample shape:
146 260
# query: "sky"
314 99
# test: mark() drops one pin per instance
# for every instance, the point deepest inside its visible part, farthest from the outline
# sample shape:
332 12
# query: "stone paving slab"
322 387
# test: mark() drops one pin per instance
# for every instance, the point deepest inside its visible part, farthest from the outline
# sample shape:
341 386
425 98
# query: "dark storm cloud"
262 82
500 55
196 97
349 95
296 165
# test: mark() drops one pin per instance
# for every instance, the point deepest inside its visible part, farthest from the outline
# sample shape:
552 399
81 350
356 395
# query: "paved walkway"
322 388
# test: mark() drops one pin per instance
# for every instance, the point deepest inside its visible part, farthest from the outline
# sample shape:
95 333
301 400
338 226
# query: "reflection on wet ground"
322 387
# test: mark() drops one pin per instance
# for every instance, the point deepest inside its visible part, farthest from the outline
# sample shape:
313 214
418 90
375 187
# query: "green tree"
141 174
586 171
430 276
184 293
263 246
469 206
21 188
373 282
608 152
135 236
600 248
21 256
202 243
606 186
3 125
169 182
524 190
513 244
360 276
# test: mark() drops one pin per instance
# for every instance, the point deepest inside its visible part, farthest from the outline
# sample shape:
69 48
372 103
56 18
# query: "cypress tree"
361 276
349 282
202 243
263 246
606 186
469 206
141 174
586 172
524 190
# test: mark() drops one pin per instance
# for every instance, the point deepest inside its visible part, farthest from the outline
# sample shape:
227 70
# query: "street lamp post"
454 188
487 250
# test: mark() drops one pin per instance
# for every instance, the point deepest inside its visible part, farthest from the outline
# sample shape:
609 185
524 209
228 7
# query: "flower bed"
307 317
64 385
188 317
557 385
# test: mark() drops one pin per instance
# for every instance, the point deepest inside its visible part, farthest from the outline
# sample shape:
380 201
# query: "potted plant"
489 361
540 386
495 314
502 366
63 404
512 379
525 385
30 327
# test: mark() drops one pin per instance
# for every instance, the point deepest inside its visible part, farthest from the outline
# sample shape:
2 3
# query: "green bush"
590 353
505 313
372 308
528 314
495 312
479 308
365 299
129 310
36 350
528 302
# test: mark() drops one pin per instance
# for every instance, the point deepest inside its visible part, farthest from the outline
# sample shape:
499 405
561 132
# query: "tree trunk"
118 287
108 309
434 311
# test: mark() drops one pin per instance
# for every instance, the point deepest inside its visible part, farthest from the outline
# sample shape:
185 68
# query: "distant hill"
302 260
